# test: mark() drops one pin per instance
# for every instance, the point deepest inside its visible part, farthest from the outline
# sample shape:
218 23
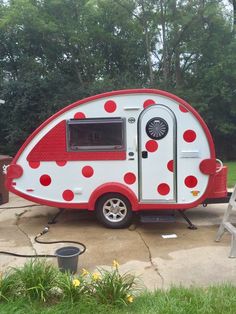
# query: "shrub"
36 279
72 288
7 286
111 287
40 281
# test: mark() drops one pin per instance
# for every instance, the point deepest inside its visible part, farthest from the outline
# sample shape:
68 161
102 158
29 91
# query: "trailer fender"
113 187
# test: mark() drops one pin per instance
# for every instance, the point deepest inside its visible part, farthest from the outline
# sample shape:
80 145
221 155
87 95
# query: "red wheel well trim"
113 187
116 93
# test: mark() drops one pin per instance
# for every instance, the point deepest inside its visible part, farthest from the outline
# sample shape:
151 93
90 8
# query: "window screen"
96 134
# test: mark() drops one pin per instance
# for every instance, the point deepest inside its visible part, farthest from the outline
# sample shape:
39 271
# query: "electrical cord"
45 230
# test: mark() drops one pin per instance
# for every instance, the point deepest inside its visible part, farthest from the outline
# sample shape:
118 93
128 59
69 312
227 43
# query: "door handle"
144 154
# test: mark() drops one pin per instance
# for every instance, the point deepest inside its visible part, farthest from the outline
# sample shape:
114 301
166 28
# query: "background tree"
55 52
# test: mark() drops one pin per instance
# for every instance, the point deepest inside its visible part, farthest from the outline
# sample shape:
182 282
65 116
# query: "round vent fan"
157 128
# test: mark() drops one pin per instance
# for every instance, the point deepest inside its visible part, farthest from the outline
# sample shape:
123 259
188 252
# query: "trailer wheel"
114 211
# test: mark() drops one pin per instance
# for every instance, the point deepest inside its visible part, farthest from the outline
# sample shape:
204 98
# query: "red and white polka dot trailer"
120 152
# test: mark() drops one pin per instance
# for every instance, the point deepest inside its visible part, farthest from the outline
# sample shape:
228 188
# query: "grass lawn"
217 300
231 173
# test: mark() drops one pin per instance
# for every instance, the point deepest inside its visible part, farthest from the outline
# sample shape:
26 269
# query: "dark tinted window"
96 134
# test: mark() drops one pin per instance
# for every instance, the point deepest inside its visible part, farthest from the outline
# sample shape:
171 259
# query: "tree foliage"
55 52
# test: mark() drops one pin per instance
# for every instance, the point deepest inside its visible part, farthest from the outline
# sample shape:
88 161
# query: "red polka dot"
151 146
129 178
170 165
148 103
189 136
45 180
79 115
163 189
183 109
68 195
190 181
61 163
87 171
110 106
34 164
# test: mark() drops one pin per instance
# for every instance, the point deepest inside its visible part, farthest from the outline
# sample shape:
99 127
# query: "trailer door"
157 155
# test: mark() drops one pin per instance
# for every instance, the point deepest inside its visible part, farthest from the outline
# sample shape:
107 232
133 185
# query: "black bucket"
67 258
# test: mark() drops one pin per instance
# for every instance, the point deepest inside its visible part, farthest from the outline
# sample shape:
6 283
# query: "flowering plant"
112 287
41 281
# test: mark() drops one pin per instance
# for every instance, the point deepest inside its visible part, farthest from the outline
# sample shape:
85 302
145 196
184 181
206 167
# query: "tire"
114 211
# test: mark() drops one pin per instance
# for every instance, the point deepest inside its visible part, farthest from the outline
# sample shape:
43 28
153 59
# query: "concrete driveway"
193 258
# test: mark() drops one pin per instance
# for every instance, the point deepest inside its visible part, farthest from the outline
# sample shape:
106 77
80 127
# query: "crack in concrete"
17 207
153 265
3 209
18 217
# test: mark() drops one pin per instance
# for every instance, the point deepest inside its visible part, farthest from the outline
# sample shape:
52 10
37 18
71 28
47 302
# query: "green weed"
8 286
36 279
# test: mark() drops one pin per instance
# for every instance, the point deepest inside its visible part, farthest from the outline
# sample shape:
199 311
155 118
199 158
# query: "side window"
97 134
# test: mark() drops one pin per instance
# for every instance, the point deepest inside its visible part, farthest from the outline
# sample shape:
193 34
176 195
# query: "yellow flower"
96 276
130 298
115 264
84 272
76 282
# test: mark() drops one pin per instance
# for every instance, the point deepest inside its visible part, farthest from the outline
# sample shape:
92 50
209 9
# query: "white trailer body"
148 147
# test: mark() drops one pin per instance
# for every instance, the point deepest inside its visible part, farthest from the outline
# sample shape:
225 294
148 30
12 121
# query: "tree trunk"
177 67
178 70
234 17
149 59
148 46
165 62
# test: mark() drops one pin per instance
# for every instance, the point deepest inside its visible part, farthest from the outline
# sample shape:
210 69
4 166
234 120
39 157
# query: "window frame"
98 148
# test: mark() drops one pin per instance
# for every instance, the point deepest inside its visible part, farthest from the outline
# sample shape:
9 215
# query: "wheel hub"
114 210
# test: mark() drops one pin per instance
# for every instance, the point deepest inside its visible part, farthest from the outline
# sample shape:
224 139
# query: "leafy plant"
112 287
72 288
36 279
39 281
7 286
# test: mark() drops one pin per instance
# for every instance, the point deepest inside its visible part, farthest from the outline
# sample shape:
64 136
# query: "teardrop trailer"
120 152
